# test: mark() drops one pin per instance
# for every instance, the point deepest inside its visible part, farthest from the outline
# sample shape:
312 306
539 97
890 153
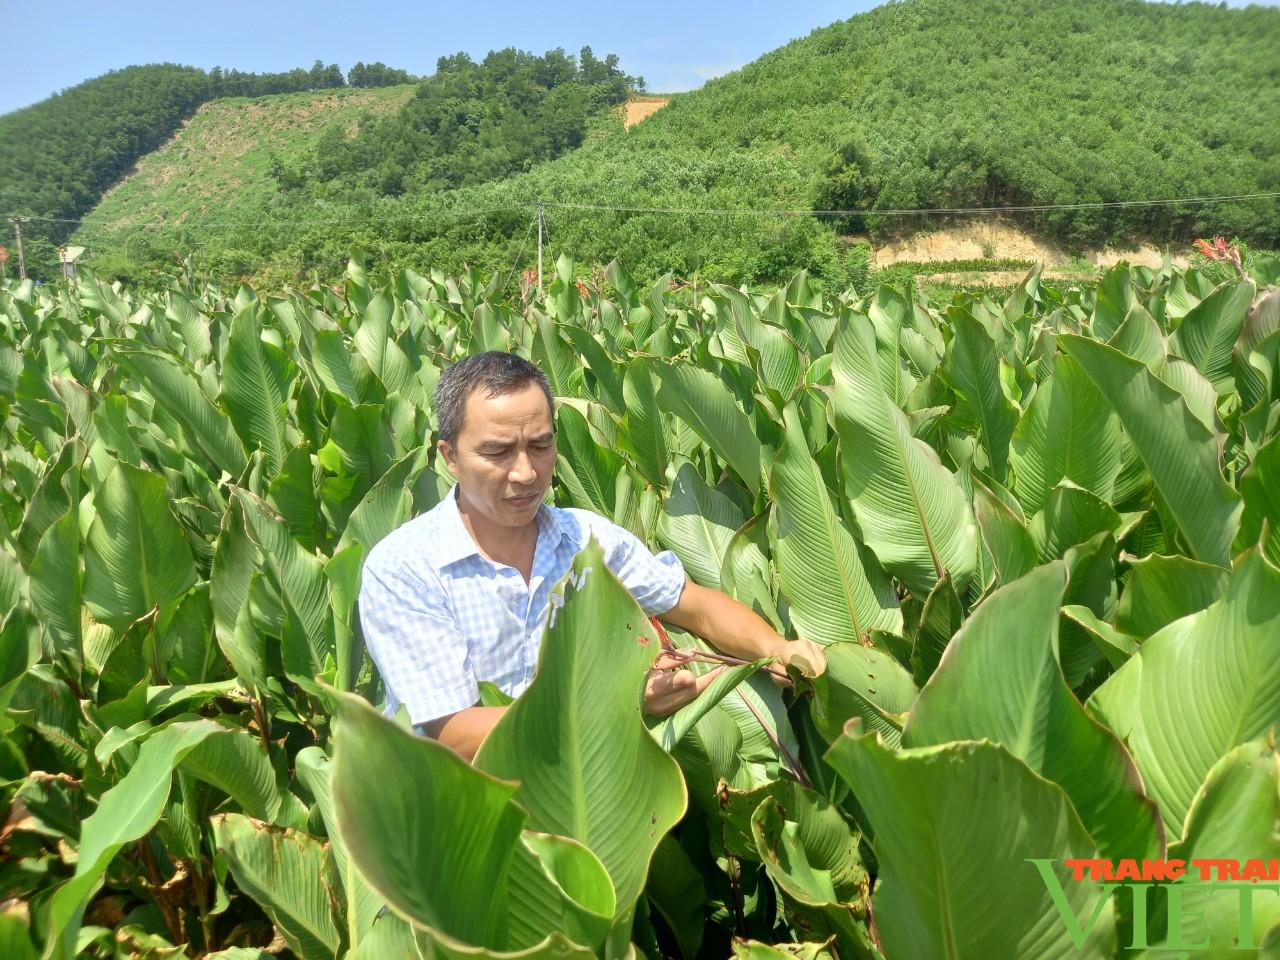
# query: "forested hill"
59 155
924 103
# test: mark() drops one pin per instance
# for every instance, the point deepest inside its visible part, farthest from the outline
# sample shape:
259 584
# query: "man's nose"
522 471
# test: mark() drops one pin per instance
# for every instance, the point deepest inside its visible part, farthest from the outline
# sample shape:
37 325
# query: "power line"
121 225
681 211
915 211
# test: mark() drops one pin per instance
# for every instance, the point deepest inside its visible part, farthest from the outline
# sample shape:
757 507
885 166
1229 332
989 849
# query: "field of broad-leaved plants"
1037 534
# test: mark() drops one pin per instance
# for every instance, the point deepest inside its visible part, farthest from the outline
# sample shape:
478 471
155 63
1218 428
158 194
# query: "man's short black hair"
496 373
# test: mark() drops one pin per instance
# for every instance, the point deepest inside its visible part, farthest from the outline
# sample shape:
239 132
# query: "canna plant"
1035 536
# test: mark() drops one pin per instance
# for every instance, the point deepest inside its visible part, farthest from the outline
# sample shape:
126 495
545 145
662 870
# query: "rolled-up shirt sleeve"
414 642
655 580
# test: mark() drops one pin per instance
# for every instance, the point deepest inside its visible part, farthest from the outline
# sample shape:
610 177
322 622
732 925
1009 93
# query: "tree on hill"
377 74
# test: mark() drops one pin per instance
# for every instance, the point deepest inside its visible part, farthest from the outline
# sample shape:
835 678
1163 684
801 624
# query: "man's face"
504 455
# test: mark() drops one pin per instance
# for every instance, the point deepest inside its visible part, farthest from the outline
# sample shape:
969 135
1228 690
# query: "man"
459 594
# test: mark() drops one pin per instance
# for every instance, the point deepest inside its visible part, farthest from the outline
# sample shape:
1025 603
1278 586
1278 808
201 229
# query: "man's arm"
734 628
465 730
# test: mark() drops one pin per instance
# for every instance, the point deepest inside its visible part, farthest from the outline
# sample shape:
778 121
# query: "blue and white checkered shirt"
438 617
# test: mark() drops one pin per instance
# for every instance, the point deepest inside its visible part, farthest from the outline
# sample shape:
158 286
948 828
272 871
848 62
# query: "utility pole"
539 250
17 232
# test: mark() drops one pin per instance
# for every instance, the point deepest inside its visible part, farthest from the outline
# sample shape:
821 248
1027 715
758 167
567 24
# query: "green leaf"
588 470
256 380
1000 680
444 843
696 523
955 878
603 367
375 342
973 367
136 558
292 493
642 423
1219 667
862 682
290 876
56 590
703 402
940 618
1004 533
1232 817
1160 590
363 902
176 388
1069 432
588 768
1260 487
438 842
820 876
1070 516
552 355
912 511
676 888
125 812
1208 333
671 730
1176 448
299 578
833 594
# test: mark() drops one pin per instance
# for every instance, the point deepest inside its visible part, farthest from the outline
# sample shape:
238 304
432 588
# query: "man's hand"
669 687
805 655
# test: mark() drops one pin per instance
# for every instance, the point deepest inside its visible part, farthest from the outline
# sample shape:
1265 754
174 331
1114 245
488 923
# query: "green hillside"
220 162
923 103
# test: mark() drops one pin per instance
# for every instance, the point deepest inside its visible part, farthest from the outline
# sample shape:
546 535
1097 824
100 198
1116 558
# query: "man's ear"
450 456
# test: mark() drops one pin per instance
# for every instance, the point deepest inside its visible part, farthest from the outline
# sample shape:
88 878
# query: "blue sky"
675 46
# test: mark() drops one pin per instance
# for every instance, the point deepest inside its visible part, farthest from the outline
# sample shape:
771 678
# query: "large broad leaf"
708 406
912 511
1208 333
256 377
291 877
300 581
866 683
1178 450
697 523
1160 590
444 844
833 594
956 827
1071 515
999 680
125 812
175 386
642 423
1069 432
56 590
137 558
552 355
1233 817
1201 686
817 869
375 342
588 470
603 367
588 768
363 902
1260 486
973 367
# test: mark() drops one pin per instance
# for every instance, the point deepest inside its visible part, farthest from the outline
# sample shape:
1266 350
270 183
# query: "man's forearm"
465 730
727 624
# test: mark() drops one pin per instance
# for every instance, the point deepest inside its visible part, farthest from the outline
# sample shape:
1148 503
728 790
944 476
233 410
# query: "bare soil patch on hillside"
638 108
1002 241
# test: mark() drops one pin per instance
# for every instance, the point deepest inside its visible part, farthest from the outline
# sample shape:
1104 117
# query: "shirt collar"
455 543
